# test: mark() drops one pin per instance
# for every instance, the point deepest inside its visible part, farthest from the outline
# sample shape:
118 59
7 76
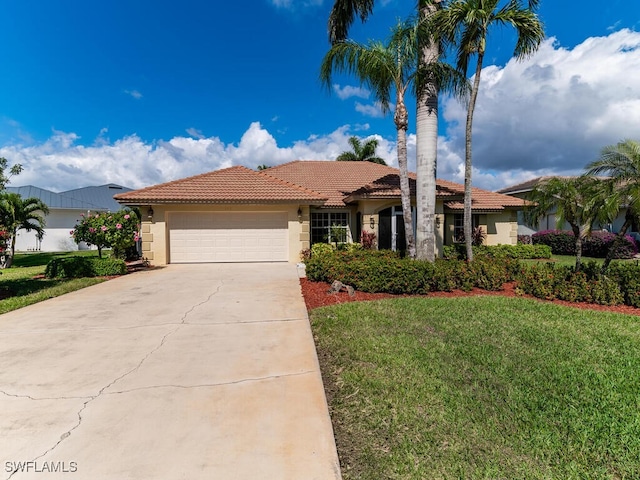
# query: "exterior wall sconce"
299 214
438 221
372 221
150 213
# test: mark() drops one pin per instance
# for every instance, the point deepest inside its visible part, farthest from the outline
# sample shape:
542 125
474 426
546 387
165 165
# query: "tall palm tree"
361 152
342 16
622 163
466 24
17 213
578 201
384 68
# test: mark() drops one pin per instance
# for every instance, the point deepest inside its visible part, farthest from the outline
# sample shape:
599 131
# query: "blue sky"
141 92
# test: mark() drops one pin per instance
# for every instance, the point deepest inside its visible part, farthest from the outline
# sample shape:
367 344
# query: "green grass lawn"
481 387
20 285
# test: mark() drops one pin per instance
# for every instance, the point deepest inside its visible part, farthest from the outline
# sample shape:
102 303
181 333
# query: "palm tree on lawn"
342 16
384 68
17 213
579 201
466 24
622 163
361 152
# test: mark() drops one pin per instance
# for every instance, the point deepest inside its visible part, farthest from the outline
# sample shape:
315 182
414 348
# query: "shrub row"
520 251
78 267
562 242
621 284
384 271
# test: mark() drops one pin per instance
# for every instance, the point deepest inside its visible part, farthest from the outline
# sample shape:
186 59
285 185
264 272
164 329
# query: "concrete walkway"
189 371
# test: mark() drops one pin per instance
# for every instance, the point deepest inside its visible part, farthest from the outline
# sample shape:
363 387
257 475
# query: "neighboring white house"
65 209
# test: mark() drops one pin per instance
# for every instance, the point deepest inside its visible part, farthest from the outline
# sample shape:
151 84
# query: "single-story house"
549 221
238 214
65 209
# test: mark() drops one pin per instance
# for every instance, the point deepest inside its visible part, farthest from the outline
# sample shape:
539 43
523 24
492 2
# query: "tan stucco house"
240 215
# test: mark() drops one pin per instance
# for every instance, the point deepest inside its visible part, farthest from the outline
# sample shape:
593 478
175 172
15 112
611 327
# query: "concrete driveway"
189 371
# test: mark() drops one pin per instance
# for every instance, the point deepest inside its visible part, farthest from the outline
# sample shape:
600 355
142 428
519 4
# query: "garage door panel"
228 237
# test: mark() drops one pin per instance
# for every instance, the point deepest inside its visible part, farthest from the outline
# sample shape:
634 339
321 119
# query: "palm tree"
17 213
578 201
384 68
343 13
622 163
361 152
466 24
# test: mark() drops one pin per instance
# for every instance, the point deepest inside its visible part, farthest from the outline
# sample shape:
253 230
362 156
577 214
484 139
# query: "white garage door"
200 237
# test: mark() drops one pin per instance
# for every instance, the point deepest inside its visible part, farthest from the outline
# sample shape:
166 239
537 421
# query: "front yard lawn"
481 387
23 285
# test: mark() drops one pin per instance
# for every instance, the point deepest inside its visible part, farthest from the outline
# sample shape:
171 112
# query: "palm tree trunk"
401 119
468 164
426 149
578 236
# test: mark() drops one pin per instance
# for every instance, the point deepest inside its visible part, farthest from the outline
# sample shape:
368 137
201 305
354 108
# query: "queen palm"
362 152
578 201
17 213
343 13
466 24
622 163
384 68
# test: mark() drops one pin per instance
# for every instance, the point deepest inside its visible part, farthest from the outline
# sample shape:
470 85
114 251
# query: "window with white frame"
329 227
458 226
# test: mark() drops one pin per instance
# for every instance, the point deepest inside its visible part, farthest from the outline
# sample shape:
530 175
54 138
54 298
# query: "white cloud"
552 113
349 91
293 4
134 93
374 110
194 132
60 163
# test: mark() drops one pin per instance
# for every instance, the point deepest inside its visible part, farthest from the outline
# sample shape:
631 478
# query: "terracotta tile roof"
326 183
230 185
336 180
482 200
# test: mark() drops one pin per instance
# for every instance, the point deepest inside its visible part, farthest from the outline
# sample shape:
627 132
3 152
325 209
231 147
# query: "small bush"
368 240
78 267
524 239
627 276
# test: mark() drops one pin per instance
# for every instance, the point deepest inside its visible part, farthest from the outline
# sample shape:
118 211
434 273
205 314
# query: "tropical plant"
622 163
362 152
466 24
343 13
579 201
17 214
384 68
14 170
118 231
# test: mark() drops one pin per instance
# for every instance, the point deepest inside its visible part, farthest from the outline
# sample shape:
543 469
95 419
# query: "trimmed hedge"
562 282
78 267
520 251
384 271
562 242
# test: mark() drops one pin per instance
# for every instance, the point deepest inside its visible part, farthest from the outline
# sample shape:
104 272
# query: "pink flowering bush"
118 231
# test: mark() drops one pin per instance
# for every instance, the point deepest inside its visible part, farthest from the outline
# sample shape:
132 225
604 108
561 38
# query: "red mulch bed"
315 295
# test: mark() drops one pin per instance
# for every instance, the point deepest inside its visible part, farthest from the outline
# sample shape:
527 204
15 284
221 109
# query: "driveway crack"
91 398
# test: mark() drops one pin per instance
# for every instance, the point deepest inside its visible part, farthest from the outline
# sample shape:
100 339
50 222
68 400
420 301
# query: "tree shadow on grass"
25 286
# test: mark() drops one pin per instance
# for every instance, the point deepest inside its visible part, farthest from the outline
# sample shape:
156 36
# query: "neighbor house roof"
230 185
313 182
87 198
